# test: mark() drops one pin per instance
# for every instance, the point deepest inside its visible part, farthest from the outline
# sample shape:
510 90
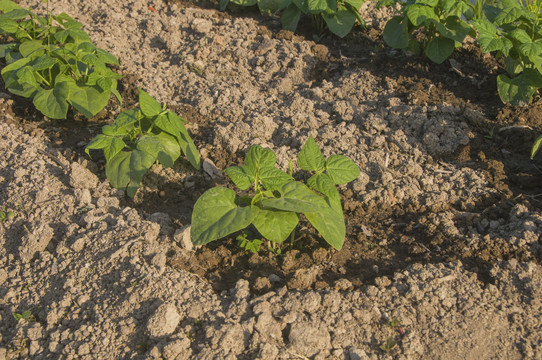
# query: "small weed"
490 134
389 345
249 245
25 315
6 215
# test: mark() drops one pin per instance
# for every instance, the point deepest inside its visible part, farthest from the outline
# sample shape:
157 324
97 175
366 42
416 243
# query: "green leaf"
43 62
29 47
126 170
430 3
6 48
275 225
107 57
495 43
508 15
418 14
520 35
341 22
88 100
8 26
239 177
111 145
532 51
259 158
318 6
296 197
290 17
324 184
149 106
216 215
310 157
330 224
341 169
273 178
536 146
396 33
52 103
244 2
454 28
439 49
269 6
162 147
123 123
190 150
169 123
485 27
7 5
517 91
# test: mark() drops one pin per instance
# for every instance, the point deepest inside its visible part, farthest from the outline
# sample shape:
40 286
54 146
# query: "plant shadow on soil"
379 241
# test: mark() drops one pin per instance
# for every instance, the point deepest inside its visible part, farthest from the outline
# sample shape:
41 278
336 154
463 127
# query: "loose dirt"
443 249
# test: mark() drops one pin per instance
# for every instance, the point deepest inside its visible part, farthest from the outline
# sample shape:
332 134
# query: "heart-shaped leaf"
216 215
275 225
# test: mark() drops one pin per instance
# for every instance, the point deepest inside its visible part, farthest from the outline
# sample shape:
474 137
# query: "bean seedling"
55 65
138 138
278 199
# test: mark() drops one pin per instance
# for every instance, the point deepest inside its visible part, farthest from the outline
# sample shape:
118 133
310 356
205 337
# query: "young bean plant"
338 16
277 199
138 138
441 22
513 30
55 65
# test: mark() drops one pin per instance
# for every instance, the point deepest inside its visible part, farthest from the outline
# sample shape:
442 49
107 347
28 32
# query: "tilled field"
443 244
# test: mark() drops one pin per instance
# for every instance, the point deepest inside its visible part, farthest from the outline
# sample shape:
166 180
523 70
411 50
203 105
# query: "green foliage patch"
55 65
277 198
138 138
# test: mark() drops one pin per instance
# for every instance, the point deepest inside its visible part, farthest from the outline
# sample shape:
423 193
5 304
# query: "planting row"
53 61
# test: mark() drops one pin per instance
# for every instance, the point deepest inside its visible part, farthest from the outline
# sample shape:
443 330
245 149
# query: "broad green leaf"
52 103
170 123
7 5
107 57
431 3
330 224
418 14
485 27
162 147
216 215
517 91
439 49
258 158
88 100
290 17
29 47
341 169
532 51
318 6
296 197
149 106
123 123
508 15
324 184
126 169
275 225
6 48
396 33
341 22
8 26
111 145
273 178
513 66
239 177
85 47
536 146
520 35
495 43
455 29
15 14
310 157
43 62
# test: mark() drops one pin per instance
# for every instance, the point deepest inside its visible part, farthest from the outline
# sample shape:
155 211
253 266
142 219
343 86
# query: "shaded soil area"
383 239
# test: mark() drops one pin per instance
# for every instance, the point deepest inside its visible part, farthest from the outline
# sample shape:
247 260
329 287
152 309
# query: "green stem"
43 79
